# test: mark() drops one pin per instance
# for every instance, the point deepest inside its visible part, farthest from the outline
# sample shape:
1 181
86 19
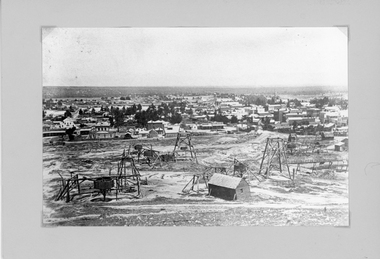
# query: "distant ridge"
98 92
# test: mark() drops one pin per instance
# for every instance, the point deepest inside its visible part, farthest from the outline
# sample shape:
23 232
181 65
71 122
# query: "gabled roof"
226 181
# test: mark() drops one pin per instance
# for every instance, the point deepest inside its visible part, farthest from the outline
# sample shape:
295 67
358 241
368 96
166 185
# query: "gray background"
23 236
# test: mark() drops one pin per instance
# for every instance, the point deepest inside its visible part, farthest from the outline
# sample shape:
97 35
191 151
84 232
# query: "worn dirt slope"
315 200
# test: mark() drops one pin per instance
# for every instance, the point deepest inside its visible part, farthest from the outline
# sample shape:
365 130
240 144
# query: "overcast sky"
195 57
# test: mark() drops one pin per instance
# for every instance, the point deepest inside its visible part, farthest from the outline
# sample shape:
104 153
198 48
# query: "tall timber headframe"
184 144
274 158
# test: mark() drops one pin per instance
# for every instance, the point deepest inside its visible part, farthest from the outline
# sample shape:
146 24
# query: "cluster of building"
198 117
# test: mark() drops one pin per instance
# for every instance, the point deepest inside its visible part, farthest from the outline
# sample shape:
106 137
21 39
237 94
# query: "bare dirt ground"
316 199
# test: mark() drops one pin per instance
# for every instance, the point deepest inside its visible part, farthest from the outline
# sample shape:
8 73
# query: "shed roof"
225 181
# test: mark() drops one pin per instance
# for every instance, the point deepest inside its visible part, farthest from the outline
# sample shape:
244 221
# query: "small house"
171 131
345 142
155 124
152 134
228 187
339 146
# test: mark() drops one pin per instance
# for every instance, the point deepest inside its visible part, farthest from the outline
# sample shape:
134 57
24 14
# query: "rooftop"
225 181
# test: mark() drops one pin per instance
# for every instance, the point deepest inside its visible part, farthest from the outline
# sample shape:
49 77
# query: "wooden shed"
228 187
339 146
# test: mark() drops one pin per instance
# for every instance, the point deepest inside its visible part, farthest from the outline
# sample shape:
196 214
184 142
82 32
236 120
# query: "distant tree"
220 118
176 118
132 109
152 107
332 102
59 103
93 111
296 102
266 122
122 98
182 107
166 109
234 119
141 118
139 107
295 124
111 121
67 114
70 133
80 112
119 118
129 111
127 98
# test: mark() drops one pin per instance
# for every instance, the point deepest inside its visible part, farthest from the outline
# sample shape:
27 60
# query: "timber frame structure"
237 169
123 181
144 154
184 144
274 157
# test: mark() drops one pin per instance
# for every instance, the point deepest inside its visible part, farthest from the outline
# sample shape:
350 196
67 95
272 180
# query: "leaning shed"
228 187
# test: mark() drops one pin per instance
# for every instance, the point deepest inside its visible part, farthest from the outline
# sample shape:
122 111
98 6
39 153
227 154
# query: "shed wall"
221 192
243 191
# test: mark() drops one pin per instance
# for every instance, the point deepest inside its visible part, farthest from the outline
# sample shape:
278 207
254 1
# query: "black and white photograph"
195 126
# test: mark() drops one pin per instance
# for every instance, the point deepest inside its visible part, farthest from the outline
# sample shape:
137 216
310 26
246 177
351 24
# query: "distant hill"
98 92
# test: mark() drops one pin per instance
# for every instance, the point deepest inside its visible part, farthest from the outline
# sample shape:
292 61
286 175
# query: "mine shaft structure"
315 164
274 158
237 169
241 169
144 154
124 181
306 153
203 178
183 145
195 182
304 145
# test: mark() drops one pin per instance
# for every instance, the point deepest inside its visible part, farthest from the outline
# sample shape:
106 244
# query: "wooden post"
192 185
279 155
262 160
204 178
197 183
138 186
78 185
68 191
